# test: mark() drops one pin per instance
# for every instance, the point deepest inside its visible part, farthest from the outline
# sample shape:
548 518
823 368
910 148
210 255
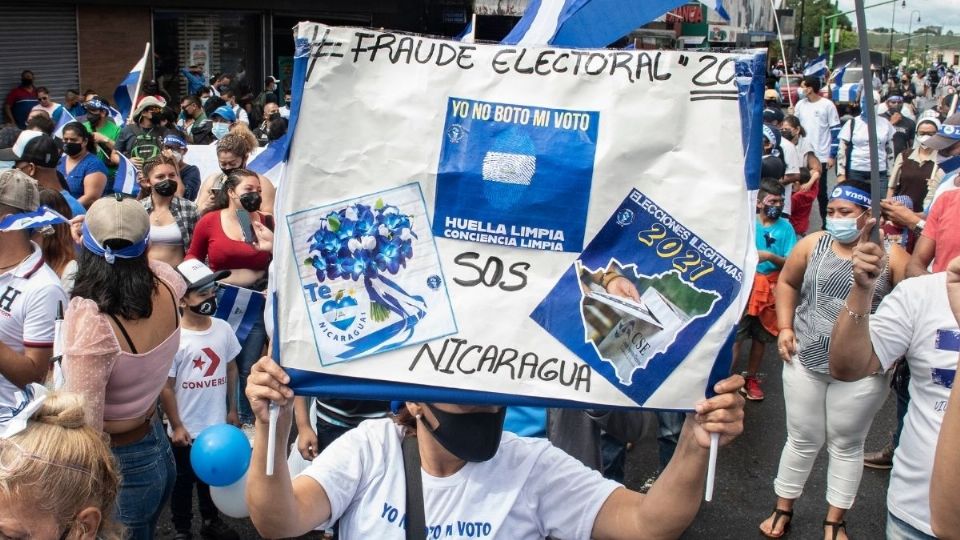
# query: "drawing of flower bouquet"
364 243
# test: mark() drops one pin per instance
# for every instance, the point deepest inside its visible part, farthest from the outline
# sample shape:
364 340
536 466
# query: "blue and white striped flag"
65 118
41 217
126 92
816 67
469 34
588 23
837 76
241 308
116 116
125 179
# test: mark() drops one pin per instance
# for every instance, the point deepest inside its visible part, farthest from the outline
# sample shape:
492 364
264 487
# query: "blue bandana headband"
852 194
950 131
130 252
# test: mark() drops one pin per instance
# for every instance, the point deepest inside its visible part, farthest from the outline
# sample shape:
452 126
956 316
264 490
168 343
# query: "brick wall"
111 40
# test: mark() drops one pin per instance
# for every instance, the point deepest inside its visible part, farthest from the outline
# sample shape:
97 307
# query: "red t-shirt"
211 244
943 225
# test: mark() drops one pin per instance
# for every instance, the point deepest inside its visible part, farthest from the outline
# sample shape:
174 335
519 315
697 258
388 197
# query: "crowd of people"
143 366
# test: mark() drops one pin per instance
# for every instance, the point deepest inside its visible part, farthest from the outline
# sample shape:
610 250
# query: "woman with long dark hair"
55 241
85 173
220 240
121 332
172 218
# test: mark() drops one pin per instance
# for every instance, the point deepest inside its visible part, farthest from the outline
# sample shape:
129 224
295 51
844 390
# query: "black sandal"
779 514
836 526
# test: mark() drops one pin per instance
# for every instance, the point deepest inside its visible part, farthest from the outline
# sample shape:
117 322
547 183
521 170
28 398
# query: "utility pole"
803 4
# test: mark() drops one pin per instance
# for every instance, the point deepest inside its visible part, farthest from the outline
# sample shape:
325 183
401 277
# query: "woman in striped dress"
811 294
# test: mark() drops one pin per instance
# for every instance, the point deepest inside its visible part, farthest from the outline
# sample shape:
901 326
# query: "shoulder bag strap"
849 149
416 521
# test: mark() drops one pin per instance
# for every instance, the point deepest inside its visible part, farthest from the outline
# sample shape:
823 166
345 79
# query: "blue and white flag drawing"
816 67
65 118
837 76
125 179
41 217
241 308
126 91
589 23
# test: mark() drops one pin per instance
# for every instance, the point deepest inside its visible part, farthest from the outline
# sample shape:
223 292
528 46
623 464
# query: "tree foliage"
813 12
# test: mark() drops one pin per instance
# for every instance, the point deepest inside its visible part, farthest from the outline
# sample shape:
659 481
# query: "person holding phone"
233 234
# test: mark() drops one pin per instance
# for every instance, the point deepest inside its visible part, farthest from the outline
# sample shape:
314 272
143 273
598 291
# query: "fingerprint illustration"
508 169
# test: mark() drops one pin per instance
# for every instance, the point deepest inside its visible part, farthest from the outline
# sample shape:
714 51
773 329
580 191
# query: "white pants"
822 409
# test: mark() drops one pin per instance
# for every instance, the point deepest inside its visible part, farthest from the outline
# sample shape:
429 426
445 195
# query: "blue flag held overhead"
126 93
816 67
589 23
65 118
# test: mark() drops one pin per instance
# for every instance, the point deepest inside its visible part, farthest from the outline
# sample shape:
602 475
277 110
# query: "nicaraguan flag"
816 67
837 76
65 118
588 23
469 33
41 217
126 92
125 179
241 308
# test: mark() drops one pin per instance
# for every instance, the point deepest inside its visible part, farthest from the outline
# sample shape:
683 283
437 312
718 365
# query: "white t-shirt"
200 369
29 295
792 160
915 321
860 154
817 119
528 490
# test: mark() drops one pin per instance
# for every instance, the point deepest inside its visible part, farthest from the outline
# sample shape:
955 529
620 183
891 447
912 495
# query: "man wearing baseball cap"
30 293
37 155
175 148
141 140
939 242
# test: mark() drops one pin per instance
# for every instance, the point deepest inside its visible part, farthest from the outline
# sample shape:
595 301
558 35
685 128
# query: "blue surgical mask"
220 129
843 229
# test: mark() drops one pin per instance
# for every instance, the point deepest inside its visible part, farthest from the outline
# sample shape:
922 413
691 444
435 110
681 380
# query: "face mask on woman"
251 201
207 307
843 229
469 436
922 140
72 148
166 188
220 129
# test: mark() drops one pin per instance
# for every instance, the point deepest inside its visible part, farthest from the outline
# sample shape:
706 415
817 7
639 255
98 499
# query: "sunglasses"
13 456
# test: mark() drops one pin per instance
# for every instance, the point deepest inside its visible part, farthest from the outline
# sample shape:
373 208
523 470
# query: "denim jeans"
669 425
147 473
864 176
181 504
898 529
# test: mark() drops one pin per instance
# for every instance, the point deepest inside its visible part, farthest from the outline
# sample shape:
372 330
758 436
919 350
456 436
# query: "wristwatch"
918 228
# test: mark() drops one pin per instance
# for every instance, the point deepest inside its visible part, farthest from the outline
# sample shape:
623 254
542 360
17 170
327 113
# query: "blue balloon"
220 455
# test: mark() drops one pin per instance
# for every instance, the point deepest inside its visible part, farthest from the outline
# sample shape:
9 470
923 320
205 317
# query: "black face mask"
207 307
166 188
786 134
26 82
251 201
469 436
226 172
72 148
273 116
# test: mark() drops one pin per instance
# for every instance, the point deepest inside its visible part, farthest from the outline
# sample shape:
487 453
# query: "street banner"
476 223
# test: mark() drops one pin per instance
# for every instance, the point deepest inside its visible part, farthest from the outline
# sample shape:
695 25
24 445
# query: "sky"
944 13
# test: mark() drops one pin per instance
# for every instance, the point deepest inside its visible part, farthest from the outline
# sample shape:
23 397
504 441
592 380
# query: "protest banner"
514 225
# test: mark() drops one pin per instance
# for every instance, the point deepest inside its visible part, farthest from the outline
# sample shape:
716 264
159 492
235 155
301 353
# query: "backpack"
146 145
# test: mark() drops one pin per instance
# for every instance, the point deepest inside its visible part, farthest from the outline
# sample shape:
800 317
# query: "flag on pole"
588 23
126 93
469 33
65 118
41 217
240 308
721 11
125 179
816 67
837 76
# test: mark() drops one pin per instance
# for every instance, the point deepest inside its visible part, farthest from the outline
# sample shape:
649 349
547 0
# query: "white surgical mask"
922 139
220 129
